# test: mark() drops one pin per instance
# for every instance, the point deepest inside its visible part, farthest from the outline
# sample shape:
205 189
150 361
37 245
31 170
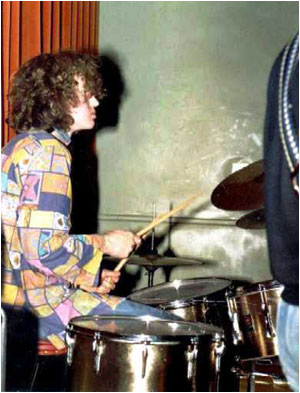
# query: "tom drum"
133 354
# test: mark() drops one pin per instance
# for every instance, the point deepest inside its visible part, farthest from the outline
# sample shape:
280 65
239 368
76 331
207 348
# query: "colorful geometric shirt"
41 258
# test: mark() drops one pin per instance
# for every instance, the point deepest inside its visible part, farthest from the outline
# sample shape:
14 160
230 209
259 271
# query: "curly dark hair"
43 89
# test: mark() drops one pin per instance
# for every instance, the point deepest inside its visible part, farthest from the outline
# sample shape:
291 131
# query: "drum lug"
191 356
219 350
144 359
233 314
266 310
205 307
98 348
270 328
71 344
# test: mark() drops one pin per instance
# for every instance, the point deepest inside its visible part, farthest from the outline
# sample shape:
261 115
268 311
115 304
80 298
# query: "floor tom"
142 354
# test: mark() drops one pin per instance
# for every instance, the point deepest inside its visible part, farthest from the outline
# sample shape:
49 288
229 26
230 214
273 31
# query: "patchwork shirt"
41 259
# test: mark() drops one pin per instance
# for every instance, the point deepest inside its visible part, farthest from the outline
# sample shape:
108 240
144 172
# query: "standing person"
281 165
46 269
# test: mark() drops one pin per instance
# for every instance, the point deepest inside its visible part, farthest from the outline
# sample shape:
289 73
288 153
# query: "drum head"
179 290
147 327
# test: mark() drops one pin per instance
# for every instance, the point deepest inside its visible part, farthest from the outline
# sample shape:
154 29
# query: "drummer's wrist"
105 244
99 242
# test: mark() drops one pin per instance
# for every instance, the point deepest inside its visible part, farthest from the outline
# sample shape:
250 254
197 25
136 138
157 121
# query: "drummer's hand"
109 280
120 244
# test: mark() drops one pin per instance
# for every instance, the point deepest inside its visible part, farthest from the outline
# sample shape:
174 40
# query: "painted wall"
191 113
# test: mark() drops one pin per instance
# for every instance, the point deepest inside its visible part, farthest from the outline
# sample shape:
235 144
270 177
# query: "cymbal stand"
151 269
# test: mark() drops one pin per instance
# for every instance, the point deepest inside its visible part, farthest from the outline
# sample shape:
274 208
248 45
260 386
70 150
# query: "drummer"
46 269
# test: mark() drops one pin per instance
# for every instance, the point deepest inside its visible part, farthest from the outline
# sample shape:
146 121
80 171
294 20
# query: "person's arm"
44 222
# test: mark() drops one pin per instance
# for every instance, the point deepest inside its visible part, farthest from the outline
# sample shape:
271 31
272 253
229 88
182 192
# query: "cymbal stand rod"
159 219
151 270
150 277
170 228
153 230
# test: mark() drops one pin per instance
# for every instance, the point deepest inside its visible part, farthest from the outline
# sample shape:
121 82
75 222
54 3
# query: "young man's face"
84 114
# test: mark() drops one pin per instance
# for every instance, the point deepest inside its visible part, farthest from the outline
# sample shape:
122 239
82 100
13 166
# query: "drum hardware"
217 353
153 251
247 377
242 190
205 307
233 314
153 230
159 219
150 271
263 374
144 359
70 341
270 330
98 348
277 379
219 350
252 378
191 356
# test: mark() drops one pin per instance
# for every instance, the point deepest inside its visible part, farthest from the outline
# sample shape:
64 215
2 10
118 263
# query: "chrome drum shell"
254 309
134 355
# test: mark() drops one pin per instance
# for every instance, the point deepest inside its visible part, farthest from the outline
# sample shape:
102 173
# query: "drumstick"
159 219
143 233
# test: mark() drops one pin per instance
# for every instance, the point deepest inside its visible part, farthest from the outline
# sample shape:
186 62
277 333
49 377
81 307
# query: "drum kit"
152 261
224 339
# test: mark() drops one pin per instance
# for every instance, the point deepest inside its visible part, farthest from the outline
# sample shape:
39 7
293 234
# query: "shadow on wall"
84 174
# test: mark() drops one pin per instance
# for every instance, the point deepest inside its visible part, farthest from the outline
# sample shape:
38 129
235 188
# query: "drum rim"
177 304
183 301
254 287
215 333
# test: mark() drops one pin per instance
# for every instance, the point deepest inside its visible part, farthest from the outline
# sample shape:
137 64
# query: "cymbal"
253 220
158 261
242 190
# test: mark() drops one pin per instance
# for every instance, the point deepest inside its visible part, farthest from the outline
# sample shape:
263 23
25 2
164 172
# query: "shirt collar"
62 136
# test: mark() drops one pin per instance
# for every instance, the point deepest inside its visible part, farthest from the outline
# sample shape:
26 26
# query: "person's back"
25 157
281 166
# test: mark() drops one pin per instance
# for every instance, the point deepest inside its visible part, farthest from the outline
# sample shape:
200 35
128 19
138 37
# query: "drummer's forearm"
97 241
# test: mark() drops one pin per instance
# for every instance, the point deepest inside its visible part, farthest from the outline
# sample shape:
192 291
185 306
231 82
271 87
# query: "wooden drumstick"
158 220
143 233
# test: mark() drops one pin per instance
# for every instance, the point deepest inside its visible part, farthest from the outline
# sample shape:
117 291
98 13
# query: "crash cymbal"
253 220
242 190
158 261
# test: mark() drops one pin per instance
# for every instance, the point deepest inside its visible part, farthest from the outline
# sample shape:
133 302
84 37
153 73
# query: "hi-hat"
158 261
253 220
242 190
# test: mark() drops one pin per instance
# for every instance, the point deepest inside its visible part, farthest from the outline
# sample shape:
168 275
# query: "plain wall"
195 76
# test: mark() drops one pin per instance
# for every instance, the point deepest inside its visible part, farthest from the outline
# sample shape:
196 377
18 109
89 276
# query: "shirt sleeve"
43 223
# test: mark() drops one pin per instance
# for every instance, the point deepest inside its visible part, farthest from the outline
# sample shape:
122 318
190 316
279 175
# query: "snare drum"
133 354
197 300
253 310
